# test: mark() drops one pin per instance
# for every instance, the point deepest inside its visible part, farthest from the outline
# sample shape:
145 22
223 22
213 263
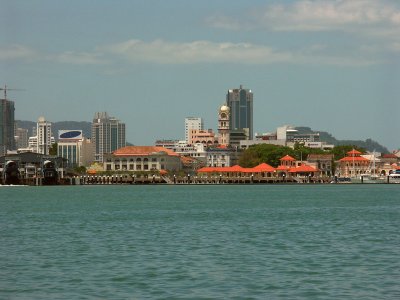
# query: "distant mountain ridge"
86 127
324 136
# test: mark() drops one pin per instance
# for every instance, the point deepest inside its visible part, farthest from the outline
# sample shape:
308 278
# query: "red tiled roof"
282 168
303 168
142 151
353 153
287 158
389 156
263 168
355 158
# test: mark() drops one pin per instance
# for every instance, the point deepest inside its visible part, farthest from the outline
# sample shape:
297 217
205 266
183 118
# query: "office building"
108 135
21 138
192 123
240 103
7 111
74 147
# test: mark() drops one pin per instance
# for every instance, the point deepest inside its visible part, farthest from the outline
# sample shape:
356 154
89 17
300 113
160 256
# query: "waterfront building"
192 123
142 158
30 164
240 103
74 147
108 135
206 137
322 162
7 114
353 164
221 157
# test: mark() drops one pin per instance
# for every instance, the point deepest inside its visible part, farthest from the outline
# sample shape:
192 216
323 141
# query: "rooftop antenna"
5 89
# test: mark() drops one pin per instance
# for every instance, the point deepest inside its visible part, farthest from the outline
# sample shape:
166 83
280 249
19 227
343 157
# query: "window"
154 159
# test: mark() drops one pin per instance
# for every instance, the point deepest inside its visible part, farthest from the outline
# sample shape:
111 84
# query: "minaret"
223 125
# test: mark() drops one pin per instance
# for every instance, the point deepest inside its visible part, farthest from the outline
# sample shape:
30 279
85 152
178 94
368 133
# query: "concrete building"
221 157
7 111
21 138
192 123
240 103
108 135
206 137
323 162
44 136
142 158
75 148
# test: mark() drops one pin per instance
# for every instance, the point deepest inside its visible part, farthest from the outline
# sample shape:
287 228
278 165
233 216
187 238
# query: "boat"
394 177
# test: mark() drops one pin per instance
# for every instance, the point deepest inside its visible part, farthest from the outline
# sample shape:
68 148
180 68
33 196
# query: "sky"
331 65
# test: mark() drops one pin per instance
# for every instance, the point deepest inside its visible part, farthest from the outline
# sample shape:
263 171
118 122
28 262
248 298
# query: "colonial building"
142 158
353 164
206 137
223 126
323 162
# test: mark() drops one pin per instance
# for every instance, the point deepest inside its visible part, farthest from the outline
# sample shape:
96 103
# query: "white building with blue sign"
73 146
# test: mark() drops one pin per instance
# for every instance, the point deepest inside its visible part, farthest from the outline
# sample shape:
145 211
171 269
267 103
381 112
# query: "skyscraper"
192 123
240 103
44 136
7 141
108 135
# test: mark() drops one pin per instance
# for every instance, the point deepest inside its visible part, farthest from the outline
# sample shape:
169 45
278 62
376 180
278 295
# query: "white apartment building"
192 123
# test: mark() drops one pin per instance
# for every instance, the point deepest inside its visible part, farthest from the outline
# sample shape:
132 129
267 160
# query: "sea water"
200 242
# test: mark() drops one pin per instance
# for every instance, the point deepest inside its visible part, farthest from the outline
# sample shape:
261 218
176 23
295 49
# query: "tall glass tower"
7 111
108 135
240 103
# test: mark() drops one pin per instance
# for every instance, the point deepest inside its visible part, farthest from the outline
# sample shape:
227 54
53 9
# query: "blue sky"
330 65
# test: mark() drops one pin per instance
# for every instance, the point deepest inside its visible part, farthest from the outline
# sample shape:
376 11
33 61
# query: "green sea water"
200 242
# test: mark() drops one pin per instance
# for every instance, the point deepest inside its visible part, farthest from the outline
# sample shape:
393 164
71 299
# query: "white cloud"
164 52
17 52
79 58
320 15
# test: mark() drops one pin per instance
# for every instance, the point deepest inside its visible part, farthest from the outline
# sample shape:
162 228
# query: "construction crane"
5 89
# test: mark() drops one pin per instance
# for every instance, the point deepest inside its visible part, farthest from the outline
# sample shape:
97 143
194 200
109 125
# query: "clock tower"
223 125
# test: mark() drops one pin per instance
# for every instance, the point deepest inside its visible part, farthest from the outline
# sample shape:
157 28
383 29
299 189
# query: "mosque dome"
224 108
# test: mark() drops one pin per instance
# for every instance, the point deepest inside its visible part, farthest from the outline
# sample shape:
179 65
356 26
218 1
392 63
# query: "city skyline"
330 65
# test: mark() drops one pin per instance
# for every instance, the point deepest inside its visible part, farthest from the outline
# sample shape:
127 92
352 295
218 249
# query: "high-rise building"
7 111
21 138
108 135
44 136
240 103
192 123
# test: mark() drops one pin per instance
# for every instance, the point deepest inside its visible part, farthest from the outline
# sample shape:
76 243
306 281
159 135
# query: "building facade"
206 137
21 138
142 158
75 148
108 135
44 136
192 123
240 103
7 112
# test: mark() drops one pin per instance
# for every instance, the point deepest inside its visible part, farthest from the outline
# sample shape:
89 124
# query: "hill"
324 136
86 127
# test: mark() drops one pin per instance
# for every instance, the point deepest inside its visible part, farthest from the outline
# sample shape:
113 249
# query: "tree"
53 149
